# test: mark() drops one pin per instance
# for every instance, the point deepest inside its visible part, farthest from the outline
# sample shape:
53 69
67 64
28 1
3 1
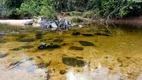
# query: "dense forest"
92 8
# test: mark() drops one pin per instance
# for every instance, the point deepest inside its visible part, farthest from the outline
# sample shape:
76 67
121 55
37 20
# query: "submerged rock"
62 72
2 40
38 36
22 47
73 62
58 40
79 57
26 40
85 43
16 49
27 47
102 34
1 34
14 64
17 63
76 48
3 55
43 65
76 33
87 35
48 46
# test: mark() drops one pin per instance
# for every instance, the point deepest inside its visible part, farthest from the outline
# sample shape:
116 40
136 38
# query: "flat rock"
73 62
48 46
3 55
76 48
76 33
58 40
88 35
63 72
102 34
38 35
2 40
16 49
26 40
86 43
27 47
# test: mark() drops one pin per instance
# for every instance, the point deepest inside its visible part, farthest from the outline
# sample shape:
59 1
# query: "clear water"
118 53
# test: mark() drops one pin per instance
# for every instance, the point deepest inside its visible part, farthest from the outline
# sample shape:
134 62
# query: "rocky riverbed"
64 55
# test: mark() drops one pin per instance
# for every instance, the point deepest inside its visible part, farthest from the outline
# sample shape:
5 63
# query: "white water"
99 74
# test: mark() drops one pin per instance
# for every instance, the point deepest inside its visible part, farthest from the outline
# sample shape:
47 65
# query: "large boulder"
53 26
64 24
44 24
29 23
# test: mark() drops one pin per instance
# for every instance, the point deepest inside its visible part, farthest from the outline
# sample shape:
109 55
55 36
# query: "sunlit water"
27 70
119 55
101 73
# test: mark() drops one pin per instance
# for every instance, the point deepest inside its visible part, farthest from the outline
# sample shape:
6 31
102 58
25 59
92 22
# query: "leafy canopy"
37 7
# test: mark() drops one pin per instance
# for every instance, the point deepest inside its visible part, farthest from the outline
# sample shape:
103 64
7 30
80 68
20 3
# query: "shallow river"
89 53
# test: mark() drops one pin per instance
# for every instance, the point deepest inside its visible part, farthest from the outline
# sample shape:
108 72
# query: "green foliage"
37 7
8 7
29 7
70 5
112 8
99 8
95 8
77 19
88 14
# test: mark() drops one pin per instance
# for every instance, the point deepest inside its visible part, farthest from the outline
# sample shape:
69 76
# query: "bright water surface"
108 56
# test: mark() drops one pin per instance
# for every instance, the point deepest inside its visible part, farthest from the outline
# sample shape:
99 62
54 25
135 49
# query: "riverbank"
15 22
136 21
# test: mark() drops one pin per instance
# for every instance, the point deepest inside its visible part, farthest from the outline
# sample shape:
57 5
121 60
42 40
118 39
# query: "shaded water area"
119 52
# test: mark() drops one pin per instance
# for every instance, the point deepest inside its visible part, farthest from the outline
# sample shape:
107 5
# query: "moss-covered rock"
86 43
58 40
16 49
38 35
2 40
27 47
102 34
75 33
73 62
76 48
26 40
88 35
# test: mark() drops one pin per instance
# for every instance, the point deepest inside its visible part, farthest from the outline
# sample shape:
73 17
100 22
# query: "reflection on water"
100 73
21 70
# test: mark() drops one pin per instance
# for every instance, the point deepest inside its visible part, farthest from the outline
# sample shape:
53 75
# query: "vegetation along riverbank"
71 40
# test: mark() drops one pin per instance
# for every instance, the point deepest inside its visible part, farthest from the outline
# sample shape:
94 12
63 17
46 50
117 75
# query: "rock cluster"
58 24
